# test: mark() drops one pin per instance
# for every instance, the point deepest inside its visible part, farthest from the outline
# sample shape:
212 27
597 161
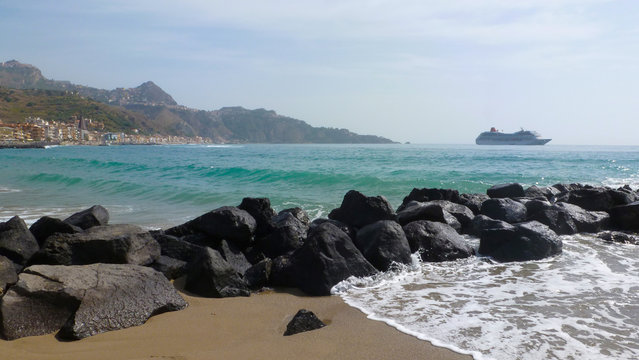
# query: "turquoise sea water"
582 304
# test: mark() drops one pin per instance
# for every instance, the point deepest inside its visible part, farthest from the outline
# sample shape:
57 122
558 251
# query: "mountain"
151 109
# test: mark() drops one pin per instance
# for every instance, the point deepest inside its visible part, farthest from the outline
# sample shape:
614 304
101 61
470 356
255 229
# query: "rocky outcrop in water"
231 251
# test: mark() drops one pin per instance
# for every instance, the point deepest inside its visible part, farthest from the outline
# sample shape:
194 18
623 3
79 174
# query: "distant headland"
34 108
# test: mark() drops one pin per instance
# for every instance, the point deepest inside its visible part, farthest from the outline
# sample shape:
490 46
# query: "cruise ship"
522 137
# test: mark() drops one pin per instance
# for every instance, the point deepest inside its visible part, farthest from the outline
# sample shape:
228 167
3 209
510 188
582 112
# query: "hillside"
150 109
16 105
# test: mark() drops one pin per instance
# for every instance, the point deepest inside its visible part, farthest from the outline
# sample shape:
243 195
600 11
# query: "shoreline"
241 328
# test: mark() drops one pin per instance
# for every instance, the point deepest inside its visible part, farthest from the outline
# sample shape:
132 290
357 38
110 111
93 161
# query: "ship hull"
511 141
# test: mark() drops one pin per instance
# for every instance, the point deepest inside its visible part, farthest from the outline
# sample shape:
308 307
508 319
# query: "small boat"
522 137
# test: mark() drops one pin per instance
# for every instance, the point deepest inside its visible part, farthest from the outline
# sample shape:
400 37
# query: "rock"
327 257
234 257
47 226
114 244
482 222
436 241
619 237
461 212
513 190
299 213
259 275
359 210
595 199
383 243
562 188
228 222
348 230
260 209
82 301
303 321
426 194
522 242
507 210
567 219
626 216
545 192
177 248
8 274
282 271
473 201
170 267
96 215
414 211
211 276
16 241
288 233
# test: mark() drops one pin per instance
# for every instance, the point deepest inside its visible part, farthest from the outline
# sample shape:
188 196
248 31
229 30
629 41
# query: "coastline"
241 328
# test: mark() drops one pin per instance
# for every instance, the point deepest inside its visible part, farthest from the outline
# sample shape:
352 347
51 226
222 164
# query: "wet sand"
239 328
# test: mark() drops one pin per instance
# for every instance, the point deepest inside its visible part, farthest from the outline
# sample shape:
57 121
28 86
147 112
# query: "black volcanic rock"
473 201
303 321
546 192
597 199
47 226
431 211
512 190
626 216
288 233
566 219
359 210
8 274
16 241
327 257
115 244
436 241
428 194
522 242
383 243
259 275
260 209
507 210
212 276
94 216
299 213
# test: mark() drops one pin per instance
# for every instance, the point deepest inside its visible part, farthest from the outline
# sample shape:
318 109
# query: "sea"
582 304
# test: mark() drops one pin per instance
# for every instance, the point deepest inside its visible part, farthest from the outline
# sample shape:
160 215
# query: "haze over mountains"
151 110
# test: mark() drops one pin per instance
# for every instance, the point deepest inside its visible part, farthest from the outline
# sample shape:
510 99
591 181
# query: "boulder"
288 233
595 199
260 209
8 274
428 194
228 222
114 244
567 219
82 301
507 210
327 257
461 212
473 201
436 241
177 248
626 216
348 230
259 275
619 237
299 213
47 226
303 321
513 190
383 243
16 241
414 211
234 257
212 276
522 242
359 210
482 222
170 267
283 271
543 192
96 215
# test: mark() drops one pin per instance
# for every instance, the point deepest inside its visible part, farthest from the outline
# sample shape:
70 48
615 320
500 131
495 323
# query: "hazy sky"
423 71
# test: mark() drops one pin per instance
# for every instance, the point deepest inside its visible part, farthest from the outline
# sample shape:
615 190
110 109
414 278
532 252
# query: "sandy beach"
240 328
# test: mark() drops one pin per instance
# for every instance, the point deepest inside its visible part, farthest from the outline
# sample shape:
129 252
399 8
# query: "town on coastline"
79 130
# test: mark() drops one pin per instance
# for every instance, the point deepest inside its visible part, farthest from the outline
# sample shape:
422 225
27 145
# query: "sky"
423 71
